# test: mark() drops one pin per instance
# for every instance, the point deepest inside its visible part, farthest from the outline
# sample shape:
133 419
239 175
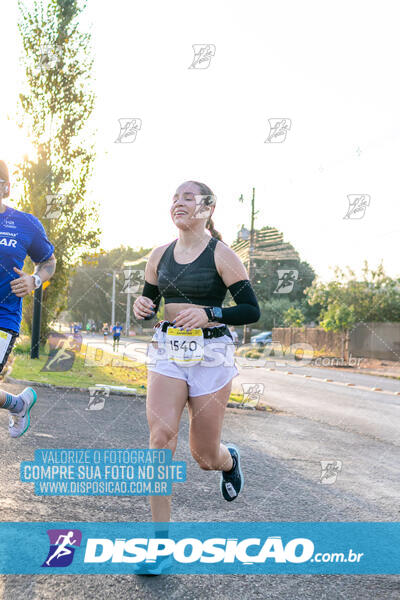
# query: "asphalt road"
281 454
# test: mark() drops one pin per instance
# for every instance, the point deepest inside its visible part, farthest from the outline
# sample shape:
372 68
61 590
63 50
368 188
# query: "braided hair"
208 200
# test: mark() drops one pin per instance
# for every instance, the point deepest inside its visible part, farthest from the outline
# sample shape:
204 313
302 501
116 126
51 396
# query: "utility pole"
126 289
37 314
128 314
250 264
113 300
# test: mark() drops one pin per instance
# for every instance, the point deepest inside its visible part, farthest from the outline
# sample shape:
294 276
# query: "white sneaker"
19 422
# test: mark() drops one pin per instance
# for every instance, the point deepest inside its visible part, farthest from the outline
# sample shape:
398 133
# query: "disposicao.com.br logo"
200 547
212 550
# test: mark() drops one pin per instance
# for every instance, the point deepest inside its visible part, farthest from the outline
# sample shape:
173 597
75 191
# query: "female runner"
193 274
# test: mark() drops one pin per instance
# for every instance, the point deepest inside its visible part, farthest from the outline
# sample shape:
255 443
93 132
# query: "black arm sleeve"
151 291
247 309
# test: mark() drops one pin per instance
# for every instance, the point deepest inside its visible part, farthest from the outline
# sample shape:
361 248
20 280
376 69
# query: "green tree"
90 289
293 317
272 313
346 301
56 105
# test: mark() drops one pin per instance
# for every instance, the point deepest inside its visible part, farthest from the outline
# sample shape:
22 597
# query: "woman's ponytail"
214 233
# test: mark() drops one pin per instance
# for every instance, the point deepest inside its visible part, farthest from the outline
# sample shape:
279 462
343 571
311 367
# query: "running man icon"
61 550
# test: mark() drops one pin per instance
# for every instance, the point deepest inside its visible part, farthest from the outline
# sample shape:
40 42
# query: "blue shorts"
210 375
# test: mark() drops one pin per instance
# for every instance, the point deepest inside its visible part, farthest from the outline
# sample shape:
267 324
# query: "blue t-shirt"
21 234
117 329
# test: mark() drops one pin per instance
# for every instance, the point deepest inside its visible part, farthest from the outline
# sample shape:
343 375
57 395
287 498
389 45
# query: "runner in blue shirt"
117 329
21 234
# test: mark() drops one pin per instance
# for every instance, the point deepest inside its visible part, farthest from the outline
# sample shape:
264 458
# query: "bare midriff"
172 309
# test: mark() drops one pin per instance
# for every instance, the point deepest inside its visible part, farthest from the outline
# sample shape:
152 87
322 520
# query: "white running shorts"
215 370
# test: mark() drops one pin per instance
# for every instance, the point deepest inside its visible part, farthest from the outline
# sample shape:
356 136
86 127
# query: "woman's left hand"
191 317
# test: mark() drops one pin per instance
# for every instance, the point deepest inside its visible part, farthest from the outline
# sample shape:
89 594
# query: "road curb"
351 370
244 407
9 379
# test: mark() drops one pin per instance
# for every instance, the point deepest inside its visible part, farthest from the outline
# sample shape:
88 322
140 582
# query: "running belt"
208 332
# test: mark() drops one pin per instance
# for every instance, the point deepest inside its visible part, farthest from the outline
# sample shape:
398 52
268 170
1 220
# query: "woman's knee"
163 438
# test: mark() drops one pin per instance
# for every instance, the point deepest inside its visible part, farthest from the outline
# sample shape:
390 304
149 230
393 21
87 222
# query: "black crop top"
197 282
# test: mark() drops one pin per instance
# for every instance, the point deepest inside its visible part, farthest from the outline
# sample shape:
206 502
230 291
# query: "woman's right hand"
143 307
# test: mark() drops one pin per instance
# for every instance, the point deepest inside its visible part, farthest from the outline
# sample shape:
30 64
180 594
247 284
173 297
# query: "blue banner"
223 547
103 472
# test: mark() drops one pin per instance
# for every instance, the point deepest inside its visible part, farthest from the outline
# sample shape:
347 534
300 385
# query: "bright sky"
331 68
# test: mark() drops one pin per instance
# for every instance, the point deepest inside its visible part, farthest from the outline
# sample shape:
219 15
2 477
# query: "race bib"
4 343
185 346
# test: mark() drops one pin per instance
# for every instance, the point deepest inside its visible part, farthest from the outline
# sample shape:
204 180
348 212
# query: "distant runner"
106 331
117 330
